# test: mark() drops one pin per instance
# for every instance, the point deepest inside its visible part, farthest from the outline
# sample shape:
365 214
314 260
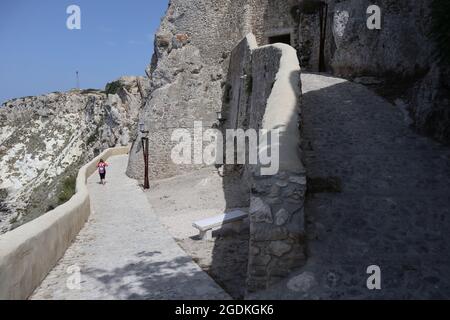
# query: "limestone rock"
398 47
279 248
302 283
192 47
268 233
431 106
46 139
402 54
281 217
260 211
260 260
298 180
282 184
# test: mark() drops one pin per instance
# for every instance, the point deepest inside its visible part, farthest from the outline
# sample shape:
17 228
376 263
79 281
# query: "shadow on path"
392 208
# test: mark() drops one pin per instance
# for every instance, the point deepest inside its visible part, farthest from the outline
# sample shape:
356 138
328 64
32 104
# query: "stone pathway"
125 253
394 208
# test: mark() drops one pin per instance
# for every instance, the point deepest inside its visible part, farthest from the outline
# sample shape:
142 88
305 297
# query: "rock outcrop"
44 140
399 60
351 49
187 73
431 103
190 64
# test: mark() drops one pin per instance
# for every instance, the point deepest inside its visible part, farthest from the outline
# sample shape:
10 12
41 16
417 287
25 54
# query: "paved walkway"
125 253
394 208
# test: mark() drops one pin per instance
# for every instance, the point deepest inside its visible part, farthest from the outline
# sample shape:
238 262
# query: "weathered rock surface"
399 59
431 104
190 64
187 70
46 139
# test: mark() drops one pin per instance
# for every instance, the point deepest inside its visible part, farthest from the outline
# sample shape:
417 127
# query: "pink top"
102 167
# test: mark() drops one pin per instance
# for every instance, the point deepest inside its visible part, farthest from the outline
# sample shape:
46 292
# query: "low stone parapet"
28 253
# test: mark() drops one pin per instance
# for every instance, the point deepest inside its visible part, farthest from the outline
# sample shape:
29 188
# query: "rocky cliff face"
431 103
399 60
188 71
401 47
44 140
193 44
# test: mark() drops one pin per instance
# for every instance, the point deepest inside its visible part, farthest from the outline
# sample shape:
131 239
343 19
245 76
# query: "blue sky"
38 54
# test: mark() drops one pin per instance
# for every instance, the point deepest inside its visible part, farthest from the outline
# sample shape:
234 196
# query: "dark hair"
101 161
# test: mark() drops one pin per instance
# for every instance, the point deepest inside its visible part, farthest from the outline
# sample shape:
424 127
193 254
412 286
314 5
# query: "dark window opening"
284 38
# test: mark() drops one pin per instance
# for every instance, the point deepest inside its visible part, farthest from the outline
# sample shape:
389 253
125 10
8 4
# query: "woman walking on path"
102 170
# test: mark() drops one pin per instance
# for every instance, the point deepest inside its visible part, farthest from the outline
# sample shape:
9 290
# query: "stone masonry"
276 202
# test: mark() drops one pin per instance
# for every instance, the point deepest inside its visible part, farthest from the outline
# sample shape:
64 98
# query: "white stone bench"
206 226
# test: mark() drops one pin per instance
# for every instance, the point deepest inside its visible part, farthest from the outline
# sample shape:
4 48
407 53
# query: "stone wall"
236 104
264 85
276 204
280 19
309 41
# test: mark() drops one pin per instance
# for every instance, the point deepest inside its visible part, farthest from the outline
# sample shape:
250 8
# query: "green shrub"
92 138
68 189
96 134
14 219
113 87
87 91
440 28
